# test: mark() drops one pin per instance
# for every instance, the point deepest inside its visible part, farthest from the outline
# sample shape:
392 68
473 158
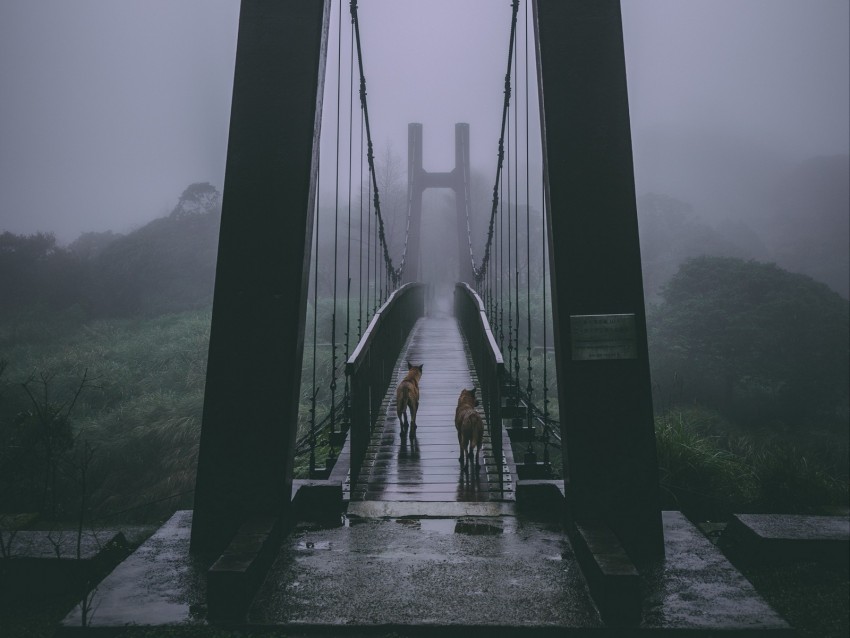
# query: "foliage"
671 233
166 266
89 245
791 479
766 347
142 413
767 350
695 472
34 271
709 476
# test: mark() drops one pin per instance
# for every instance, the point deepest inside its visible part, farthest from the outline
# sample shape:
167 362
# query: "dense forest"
103 355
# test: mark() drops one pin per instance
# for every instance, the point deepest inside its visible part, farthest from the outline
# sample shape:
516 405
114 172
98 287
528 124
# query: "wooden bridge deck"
426 468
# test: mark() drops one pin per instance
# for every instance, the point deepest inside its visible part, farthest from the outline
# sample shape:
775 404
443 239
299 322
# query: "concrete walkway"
428 552
428 576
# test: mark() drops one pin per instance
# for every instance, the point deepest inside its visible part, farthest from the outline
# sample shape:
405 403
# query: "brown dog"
470 428
407 396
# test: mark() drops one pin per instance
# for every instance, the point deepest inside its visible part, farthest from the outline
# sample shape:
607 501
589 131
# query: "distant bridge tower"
418 179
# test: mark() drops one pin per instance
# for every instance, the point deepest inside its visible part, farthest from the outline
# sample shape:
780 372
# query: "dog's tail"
403 401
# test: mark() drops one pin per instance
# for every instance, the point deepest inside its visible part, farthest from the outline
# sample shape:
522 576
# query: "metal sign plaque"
600 337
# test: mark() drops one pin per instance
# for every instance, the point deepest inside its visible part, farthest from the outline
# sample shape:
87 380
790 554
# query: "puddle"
312 545
441 525
331 522
470 526
479 527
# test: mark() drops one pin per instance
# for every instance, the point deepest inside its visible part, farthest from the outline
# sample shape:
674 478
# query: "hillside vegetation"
103 349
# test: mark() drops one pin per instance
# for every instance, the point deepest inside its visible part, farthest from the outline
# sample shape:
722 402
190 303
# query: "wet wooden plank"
426 468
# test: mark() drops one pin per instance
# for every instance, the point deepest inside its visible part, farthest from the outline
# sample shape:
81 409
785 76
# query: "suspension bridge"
572 438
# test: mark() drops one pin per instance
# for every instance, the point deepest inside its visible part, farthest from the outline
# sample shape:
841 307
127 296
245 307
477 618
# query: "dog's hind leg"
401 412
403 402
413 408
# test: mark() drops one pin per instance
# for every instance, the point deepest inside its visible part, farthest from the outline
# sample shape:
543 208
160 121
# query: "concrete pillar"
461 188
419 179
414 189
597 290
257 333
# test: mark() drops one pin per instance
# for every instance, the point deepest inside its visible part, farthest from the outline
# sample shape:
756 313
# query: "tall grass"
695 473
710 475
143 411
143 406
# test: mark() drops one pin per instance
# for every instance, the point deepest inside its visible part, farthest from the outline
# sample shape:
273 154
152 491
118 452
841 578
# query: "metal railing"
370 367
487 358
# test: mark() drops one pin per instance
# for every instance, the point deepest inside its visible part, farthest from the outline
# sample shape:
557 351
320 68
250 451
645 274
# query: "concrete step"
783 538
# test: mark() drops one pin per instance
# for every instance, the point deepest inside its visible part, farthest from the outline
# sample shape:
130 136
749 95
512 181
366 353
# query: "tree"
35 271
167 265
671 232
392 187
89 245
49 424
200 198
760 343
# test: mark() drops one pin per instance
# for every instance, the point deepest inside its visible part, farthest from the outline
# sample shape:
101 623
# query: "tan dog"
470 428
407 396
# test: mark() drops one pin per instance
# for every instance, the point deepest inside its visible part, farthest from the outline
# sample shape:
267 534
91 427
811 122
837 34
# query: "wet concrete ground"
159 584
468 571
433 559
503 572
424 574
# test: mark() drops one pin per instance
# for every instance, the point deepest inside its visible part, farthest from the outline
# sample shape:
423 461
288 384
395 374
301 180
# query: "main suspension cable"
480 271
516 234
360 261
394 274
501 264
510 252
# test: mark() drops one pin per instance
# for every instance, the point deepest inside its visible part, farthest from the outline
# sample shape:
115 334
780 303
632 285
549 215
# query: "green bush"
696 474
709 475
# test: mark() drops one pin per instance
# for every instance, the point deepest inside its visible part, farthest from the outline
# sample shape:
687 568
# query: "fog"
114 120
109 109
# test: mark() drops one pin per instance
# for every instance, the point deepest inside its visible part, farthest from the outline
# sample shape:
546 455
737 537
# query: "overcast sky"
110 108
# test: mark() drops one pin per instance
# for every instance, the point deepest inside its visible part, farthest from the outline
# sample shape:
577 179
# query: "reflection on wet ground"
450 567
425 467
473 526
425 572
